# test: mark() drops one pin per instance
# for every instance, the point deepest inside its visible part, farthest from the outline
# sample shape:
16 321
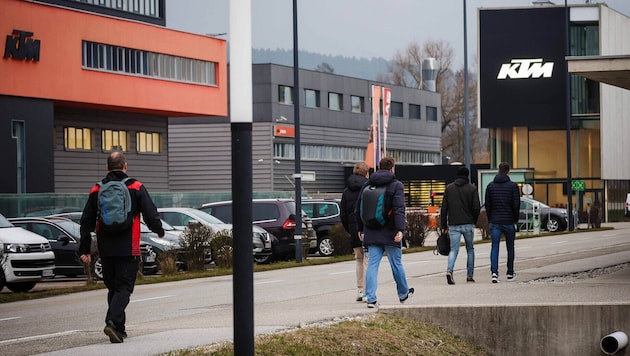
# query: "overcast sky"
352 28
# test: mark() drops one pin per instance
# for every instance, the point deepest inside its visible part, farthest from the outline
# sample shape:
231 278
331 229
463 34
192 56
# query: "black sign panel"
523 72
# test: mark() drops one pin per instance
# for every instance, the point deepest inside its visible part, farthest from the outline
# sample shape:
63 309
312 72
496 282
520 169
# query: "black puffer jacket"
394 199
502 201
460 204
125 243
348 204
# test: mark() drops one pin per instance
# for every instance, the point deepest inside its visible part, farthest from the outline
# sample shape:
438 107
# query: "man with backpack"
380 216
113 211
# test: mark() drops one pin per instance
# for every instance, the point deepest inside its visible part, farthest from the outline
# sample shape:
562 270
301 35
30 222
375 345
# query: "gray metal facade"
200 148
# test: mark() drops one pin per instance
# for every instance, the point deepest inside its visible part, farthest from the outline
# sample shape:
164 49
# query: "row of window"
149 64
357 103
82 139
142 7
349 154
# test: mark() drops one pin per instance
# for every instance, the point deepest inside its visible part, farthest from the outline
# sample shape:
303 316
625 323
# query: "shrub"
222 251
195 241
167 262
340 240
417 228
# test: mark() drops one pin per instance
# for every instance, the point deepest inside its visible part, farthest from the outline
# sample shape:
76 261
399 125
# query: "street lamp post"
298 169
466 114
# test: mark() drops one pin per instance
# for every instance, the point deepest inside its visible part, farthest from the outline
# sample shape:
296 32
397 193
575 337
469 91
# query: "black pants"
119 275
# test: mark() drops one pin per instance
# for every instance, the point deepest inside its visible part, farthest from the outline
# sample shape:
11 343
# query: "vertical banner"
387 102
372 153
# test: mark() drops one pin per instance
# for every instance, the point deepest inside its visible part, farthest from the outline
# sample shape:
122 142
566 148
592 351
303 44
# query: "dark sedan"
551 219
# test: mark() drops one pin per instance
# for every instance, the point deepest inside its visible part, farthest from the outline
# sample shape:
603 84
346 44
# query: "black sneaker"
449 277
114 336
372 305
511 277
123 334
470 279
409 294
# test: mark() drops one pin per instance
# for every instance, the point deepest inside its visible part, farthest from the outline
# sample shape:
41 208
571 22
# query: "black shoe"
114 336
123 334
470 279
372 305
409 294
449 277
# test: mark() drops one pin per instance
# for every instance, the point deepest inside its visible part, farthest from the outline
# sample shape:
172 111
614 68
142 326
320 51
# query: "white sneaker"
373 304
495 278
361 297
511 277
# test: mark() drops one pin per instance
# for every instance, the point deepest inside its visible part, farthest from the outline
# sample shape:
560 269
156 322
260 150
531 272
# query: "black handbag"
443 244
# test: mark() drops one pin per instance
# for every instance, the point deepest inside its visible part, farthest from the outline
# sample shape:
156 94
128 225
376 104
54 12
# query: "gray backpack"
114 206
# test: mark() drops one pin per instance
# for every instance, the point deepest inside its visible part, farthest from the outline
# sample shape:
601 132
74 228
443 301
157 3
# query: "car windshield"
529 203
4 222
207 217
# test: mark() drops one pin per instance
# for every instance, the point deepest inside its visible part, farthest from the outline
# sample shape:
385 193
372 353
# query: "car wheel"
98 269
325 247
553 224
21 287
263 260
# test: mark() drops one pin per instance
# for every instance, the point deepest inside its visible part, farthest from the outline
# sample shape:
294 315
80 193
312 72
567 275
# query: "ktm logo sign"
526 68
20 45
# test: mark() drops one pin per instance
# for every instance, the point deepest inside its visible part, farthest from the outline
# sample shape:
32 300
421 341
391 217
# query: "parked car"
628 205
64 235
25 258
277 216
551 219
324 214
179 218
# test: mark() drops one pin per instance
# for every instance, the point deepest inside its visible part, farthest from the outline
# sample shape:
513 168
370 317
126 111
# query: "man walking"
348 219
502 207
385 239
458 216
118 246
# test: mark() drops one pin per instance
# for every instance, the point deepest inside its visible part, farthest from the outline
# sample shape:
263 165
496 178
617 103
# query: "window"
77 138
311 98
396 109
414 111
118 59
114 140
356 103
148 142
145 7
335 101
285 95
432 113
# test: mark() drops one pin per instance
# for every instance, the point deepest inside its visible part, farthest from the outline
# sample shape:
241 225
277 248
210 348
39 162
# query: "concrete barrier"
527 329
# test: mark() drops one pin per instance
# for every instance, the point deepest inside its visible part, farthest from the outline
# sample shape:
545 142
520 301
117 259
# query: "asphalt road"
170 316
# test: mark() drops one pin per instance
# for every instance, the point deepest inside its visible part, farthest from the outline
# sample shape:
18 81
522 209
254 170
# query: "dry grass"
375 334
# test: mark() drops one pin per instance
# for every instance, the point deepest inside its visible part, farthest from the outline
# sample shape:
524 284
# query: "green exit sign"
577 184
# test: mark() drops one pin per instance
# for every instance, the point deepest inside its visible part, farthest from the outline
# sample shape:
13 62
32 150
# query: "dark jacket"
125 243
394 200
348 204
460 204
503 201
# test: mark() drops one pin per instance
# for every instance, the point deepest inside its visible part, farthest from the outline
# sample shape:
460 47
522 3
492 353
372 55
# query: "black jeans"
119 276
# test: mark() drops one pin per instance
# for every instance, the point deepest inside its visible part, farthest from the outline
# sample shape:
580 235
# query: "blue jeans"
510 234
455 232
394 255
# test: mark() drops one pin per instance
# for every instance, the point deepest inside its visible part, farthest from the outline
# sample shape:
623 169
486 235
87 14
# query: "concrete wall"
527 329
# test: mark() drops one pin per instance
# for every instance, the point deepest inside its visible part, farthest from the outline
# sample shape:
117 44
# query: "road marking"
344 272
11 318
154 298
559 242
416 262
37 337
267 282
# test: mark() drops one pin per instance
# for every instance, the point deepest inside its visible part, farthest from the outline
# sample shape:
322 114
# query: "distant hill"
361 68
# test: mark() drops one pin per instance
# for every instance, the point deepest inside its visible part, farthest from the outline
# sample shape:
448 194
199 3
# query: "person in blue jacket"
387 239
502 207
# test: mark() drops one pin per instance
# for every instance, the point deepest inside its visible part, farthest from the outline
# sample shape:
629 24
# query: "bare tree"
406 70
325 68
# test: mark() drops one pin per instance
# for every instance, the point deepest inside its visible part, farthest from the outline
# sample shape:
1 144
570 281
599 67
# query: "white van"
25 258
628 205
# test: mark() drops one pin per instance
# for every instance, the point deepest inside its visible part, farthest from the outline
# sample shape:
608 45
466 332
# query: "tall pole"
466 114
296 110
568 113
241 118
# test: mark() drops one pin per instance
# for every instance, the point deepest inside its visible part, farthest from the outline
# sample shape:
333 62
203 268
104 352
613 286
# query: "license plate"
48 273
149 259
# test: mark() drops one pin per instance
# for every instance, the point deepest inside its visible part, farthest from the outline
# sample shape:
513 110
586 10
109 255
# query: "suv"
25 258
324 213
277 216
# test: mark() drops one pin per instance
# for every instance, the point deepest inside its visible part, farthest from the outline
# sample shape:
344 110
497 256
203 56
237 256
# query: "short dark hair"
116 161
463 172
386 163
504 168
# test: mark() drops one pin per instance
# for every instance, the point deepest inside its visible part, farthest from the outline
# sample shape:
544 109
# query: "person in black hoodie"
119 251
502 207
387 239
458 216
348 220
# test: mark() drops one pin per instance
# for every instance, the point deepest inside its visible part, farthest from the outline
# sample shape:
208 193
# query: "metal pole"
568 113
466 114
298 169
